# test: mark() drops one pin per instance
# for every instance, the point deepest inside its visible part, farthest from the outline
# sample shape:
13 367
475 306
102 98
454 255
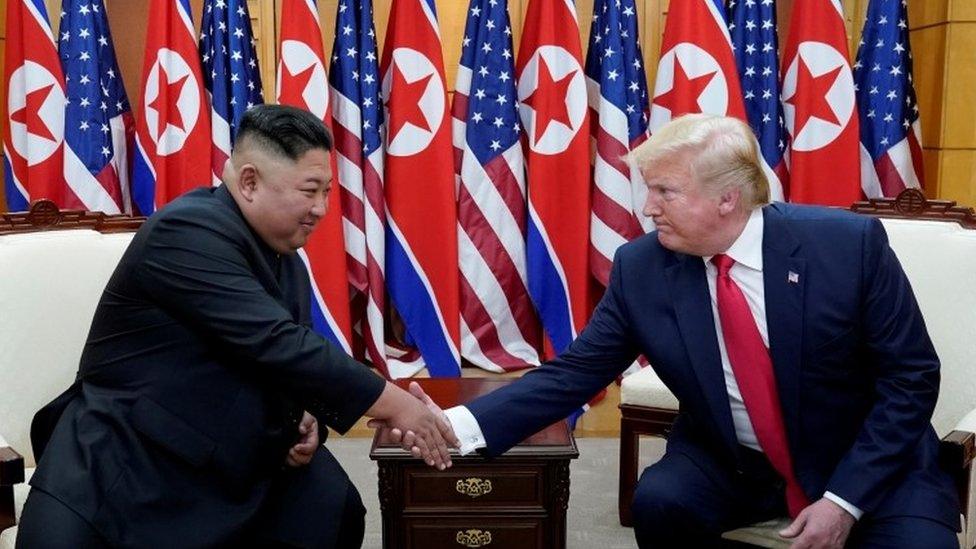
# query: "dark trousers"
682 501
298 513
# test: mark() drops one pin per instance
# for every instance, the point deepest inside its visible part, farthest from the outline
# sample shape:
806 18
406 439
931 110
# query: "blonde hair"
722 153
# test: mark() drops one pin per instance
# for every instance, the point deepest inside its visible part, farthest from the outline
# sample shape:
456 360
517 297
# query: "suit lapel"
784 279
693 309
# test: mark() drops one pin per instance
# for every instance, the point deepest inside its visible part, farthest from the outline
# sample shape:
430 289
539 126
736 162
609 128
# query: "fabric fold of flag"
99 127
33 131
302 83
553 108
231 76
173 126
499 328
891 150
357 118
421 243
617 90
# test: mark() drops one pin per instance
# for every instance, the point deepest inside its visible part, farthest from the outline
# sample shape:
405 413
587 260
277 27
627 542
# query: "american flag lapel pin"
793 278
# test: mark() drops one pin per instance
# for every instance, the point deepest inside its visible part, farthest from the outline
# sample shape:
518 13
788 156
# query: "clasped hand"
418 425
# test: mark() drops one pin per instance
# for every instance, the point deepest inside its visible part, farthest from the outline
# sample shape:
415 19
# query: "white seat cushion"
52 281
644 388
761 534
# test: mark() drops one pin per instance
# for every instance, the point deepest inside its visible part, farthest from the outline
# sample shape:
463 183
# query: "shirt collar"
747 248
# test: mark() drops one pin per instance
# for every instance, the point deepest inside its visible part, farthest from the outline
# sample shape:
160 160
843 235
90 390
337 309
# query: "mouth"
308 226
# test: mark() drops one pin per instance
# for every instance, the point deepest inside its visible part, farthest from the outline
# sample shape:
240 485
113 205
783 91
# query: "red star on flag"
810 97
166 102
549 99
408 95
29 114
293 87
683 96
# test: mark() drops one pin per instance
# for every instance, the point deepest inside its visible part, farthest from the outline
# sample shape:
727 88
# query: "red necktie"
753 370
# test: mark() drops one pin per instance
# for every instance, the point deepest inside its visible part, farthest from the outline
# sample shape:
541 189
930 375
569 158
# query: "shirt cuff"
854 511
466 429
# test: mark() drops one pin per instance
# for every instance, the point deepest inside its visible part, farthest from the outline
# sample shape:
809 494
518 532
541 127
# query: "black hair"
283 130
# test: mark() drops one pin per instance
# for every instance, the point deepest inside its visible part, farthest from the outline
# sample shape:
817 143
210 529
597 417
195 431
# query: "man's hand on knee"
822 525
301 453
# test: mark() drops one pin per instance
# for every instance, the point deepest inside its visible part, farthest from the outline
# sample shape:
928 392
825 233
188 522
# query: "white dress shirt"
747 272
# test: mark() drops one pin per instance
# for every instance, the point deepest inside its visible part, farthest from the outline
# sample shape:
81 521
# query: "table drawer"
474 531
474 487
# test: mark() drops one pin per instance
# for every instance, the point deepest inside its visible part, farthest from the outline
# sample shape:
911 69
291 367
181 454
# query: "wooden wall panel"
960 75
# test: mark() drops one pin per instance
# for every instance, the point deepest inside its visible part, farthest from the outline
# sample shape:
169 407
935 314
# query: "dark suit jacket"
857 374
198 365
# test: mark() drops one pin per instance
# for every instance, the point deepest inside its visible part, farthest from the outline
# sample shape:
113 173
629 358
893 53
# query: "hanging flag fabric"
99 127
818 102
33 132
421 244
230 73
357 116
173 126
891 150
499 327
553 108
302 83
617 89
752 26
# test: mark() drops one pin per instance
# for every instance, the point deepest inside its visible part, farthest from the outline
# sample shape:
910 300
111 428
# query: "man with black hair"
193 421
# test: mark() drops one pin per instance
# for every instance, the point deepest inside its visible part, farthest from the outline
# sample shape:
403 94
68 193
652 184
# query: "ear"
247 181
728 201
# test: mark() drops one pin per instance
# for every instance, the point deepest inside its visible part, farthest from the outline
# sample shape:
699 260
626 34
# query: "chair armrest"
11 472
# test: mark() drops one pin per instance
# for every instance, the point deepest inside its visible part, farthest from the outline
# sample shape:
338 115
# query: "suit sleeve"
559 387
907 383
196 270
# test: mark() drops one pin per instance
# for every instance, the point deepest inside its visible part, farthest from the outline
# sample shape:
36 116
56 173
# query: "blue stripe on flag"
143 183
547 289
418 309
16 201
321 325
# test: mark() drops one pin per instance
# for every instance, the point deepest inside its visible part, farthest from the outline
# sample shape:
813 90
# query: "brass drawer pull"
473 487
473 537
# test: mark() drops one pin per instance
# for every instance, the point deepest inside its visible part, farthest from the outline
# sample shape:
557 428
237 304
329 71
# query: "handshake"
416 422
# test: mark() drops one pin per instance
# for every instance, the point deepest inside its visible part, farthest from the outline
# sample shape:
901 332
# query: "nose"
652 206
321 206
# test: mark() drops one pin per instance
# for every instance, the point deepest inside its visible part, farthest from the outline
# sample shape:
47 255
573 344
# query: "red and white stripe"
898 169
617 185
499 327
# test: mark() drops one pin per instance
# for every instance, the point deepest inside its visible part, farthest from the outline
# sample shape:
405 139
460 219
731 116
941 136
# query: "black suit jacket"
198 365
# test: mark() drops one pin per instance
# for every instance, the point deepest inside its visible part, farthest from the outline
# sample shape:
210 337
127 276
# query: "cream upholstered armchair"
55 265
935 241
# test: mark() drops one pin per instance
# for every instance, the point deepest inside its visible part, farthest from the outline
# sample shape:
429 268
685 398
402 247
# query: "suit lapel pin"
793 278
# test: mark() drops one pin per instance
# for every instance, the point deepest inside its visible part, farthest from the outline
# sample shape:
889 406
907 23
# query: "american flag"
357 120
891 151
752 25
499 328
230 72
99 127
617 89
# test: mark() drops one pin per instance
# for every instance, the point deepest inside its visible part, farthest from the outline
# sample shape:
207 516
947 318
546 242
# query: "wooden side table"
517 500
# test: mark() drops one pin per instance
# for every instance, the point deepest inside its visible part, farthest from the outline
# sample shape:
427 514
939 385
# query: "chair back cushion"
52 281
940 260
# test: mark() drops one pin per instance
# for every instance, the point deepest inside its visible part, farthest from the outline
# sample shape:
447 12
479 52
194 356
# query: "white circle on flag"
414 66
297 57
173 67
820 58
556 136
28 78
695 62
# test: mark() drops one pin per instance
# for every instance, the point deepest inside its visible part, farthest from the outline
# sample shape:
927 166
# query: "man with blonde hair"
790 336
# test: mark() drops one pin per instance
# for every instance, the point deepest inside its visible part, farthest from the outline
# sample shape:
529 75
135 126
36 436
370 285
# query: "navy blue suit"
857 374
